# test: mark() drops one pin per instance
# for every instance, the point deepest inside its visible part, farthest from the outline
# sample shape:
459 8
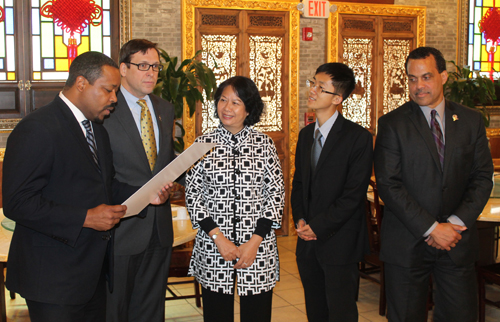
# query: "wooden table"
183 232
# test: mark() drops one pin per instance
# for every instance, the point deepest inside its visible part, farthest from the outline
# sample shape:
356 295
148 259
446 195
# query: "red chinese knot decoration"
490 26
72 16
2 14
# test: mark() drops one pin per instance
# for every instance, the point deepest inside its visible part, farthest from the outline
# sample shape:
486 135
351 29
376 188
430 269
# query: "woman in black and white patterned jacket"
235 194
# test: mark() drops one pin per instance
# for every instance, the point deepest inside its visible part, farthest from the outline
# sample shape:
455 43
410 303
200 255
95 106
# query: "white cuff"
430 230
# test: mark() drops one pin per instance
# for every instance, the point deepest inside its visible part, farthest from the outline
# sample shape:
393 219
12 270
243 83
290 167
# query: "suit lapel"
419 121
76 130
124 116
450 129
306 166
331 139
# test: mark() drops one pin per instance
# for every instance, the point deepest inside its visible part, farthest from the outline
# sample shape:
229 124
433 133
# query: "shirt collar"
75 110
440 110
327 126
233 139
132 100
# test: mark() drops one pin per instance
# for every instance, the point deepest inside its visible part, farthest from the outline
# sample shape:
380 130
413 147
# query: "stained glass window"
478 46
50 42
7 43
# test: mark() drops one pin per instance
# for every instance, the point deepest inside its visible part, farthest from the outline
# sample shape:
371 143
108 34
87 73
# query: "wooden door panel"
253 44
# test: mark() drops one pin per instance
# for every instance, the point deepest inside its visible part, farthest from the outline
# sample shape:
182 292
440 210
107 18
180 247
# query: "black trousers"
329 290
455 296
140 284
92 311
219 307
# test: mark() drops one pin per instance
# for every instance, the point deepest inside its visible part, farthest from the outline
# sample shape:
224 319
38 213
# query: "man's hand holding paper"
163 194
153 191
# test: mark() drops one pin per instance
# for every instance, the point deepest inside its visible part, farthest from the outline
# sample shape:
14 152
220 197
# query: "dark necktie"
91 141
316 149
438 137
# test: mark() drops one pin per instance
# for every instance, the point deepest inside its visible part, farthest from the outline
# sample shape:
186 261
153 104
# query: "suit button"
237 197
105 237
237 219
238 171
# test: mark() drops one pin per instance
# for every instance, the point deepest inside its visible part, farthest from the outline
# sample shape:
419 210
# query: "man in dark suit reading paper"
59 188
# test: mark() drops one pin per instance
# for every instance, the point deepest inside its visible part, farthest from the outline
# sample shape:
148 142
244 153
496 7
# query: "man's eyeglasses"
145 67
312 84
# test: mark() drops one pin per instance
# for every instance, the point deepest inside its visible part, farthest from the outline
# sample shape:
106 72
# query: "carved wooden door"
376 47
252 44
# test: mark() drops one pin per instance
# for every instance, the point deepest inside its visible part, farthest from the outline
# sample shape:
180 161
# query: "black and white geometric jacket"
239 181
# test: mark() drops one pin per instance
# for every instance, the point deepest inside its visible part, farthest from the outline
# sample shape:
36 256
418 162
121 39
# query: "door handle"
27 85
20 85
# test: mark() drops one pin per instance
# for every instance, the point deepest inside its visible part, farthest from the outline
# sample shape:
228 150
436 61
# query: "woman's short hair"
247 91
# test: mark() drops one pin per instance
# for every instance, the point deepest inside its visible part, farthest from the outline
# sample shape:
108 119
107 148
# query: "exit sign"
316 8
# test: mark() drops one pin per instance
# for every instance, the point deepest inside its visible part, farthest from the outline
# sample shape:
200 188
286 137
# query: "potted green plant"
184 82
475 92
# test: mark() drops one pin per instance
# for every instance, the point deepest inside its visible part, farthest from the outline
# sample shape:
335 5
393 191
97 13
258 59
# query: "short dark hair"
89 65
247 91
134 46
424 52
342 77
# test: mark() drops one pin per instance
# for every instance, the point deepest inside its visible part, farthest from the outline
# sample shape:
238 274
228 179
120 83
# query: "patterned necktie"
438 137
91 141
148 134
316 149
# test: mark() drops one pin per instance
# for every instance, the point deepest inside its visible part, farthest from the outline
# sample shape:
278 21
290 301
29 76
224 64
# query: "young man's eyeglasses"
145 67
312 84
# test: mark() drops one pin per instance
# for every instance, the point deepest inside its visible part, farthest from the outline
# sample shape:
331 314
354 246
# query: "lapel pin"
454 117
159 117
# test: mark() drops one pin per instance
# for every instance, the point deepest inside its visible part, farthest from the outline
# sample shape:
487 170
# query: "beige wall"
160 21
441 24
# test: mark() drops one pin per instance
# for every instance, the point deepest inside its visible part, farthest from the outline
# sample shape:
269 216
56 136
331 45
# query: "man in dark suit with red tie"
434 174
59 188
333 165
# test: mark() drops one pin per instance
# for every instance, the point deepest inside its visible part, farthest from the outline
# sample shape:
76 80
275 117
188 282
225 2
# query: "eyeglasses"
312 84
145 67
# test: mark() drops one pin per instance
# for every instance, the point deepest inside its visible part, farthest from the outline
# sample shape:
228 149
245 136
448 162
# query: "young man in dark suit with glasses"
333 165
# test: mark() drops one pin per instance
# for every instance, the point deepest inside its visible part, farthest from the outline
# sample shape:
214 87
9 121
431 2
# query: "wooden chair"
490 274
371 263
179 265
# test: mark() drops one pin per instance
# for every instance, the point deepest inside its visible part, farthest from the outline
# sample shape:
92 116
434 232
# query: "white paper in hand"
142 197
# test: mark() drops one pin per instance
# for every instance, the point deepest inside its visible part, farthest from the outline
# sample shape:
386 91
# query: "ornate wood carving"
125 14
219 20
371 9
188 41
266 21
396 26
358 24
